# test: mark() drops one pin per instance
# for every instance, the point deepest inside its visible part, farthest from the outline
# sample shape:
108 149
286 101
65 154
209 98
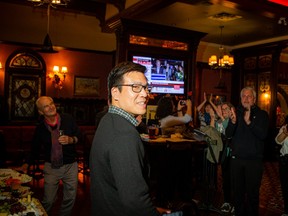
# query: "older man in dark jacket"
248 128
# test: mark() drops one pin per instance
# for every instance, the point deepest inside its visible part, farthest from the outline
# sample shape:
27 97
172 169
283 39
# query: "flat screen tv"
165 75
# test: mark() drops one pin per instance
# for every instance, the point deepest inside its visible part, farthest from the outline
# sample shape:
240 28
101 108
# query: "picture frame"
86 86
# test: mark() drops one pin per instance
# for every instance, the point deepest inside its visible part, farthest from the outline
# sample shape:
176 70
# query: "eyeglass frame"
147 88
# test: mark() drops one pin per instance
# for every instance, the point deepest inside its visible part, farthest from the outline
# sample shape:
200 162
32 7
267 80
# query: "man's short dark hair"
115 77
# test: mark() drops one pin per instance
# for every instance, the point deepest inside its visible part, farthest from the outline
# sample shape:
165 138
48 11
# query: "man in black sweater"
248 127
118 168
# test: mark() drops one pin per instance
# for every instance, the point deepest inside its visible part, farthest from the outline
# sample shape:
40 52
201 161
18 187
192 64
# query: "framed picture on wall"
86 86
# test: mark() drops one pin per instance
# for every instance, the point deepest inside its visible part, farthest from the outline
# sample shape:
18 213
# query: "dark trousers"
226 179
246 181
283 172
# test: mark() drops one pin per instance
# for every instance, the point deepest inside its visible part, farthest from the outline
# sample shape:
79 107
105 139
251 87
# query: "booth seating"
17 142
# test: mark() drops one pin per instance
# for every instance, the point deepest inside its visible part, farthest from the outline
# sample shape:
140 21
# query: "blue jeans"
68 173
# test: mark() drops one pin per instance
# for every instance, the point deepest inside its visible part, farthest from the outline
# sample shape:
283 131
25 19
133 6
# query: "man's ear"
115 93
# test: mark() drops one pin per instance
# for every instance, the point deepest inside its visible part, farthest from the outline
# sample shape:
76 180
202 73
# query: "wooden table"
12 180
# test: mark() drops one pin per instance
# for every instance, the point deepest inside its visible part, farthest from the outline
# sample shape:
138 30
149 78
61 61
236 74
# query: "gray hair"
249 89
38 101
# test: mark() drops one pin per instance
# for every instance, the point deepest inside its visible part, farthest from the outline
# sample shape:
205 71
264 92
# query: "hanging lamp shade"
47 46
224 60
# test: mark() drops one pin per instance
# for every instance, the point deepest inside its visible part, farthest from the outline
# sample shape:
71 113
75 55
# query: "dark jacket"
41 144
248 140
118 171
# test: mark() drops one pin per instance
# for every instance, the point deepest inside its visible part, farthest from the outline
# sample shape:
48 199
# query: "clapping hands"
233 116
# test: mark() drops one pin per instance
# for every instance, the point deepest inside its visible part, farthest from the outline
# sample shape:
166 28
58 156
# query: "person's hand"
247 114
210 98
212 114
64 139
188 102
285 130
205 99
179 105
233 116
163 210
219 112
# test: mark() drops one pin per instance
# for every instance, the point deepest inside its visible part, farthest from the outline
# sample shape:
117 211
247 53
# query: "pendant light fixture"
223 61
53 3
47 46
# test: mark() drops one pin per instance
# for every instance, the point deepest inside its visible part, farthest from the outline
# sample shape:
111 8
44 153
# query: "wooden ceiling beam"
142 7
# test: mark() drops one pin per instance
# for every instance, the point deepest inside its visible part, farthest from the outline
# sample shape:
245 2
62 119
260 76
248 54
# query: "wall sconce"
1 65
58 77
264 86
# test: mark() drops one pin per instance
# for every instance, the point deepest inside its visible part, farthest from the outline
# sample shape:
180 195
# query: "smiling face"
46 107
207 108
247 98
132 102
226 111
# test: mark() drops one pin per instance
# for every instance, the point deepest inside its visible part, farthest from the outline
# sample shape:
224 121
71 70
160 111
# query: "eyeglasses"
226 108
137 88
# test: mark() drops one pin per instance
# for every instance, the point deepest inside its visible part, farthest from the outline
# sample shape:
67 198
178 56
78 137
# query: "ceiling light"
224 17
52 3
223 61
47 43
47 46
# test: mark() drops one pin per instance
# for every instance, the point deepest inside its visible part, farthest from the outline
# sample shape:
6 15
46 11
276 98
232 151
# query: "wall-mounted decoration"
250 63
265 61
86 86
264 82
264 92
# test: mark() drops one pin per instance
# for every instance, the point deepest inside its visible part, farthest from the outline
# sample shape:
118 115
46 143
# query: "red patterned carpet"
271 203
270 191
